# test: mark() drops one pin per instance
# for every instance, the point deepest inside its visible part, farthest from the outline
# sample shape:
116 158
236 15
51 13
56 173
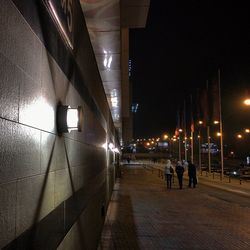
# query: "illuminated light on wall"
111 146
105 145
116 150
69 119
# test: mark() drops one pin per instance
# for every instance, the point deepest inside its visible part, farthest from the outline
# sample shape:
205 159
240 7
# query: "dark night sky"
182 46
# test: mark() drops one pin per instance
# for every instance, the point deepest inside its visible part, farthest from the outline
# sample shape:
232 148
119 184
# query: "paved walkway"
143 214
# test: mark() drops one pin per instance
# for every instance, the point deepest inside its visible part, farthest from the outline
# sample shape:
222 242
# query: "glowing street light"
239 136
247 101
200 122
180 130
216 122
247 130
218 134
165 136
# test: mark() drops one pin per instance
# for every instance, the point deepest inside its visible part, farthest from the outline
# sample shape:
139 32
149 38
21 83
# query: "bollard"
159 173
229 179
206 174
213 175
240 181
201 172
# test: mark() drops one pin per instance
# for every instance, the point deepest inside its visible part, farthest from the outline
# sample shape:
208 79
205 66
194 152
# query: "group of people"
180 169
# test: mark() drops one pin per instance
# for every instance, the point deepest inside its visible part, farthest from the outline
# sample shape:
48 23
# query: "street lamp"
247 102
239 136
216 122
165 137
218 134
247 130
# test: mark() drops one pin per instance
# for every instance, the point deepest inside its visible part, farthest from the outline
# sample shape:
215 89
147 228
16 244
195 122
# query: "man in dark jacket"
179 169
192 174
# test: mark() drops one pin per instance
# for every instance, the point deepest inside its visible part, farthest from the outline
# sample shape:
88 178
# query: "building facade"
55 188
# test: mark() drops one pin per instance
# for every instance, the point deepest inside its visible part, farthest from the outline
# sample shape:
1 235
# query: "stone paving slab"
143 214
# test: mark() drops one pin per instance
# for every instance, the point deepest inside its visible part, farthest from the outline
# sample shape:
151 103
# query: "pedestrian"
179 169
128 159
185 165
192 174
169 170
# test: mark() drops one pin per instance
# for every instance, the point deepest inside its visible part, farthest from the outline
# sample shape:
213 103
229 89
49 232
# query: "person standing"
192 174
179 169
168 174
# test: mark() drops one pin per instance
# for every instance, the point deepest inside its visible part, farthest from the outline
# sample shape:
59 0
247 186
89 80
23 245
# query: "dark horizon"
182 47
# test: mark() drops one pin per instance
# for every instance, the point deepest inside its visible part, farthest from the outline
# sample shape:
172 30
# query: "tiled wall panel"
7 212
9 88
18 42
35 199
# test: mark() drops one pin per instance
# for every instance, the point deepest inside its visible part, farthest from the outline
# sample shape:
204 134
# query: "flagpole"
209 150
192 129
199 144
221 130
179 146
207 120
192 146
185 131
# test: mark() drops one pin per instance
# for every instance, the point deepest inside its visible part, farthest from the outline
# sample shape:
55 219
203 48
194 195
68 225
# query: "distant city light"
218 134
200 122
239 136
134 107
247 130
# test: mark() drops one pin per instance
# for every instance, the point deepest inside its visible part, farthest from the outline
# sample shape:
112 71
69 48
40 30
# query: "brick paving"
143 214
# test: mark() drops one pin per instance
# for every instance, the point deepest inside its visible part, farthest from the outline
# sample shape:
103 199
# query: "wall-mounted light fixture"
69 119
112 147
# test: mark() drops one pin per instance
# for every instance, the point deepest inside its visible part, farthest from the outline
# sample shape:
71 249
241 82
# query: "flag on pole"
214 101
191 115
178 123
204 106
